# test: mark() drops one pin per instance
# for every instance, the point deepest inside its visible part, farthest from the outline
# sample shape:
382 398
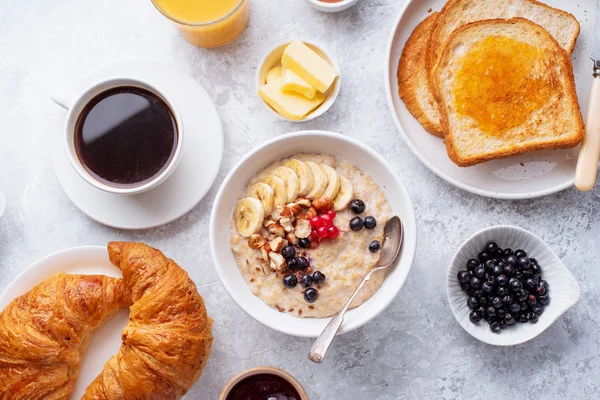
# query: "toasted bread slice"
506 87
456 13
413 79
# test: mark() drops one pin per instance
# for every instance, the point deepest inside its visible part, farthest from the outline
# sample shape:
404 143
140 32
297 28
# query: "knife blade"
589 153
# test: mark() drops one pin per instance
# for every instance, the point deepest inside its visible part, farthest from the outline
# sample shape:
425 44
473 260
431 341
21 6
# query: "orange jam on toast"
500 83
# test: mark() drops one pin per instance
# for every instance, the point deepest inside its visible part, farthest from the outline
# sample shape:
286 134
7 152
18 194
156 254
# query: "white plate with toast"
529 175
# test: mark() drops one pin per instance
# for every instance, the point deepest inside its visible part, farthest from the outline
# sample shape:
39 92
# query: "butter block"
310 66
292 82
291 105
274 73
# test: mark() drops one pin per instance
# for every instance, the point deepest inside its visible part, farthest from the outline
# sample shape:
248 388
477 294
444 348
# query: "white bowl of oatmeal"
256 284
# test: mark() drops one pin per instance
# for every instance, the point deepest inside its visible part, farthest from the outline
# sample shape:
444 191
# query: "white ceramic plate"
88 260
276 149
195 174
564 289
521 177
2 204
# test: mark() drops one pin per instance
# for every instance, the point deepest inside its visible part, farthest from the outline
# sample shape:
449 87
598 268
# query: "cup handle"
62 99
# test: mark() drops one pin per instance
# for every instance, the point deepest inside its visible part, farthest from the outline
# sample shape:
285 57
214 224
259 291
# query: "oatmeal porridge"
305 232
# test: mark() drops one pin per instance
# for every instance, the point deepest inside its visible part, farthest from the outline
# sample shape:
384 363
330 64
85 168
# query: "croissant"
168 339
44 333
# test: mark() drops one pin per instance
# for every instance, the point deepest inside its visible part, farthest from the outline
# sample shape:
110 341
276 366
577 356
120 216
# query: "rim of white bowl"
327 104
450 276
333 6
348 326
466 187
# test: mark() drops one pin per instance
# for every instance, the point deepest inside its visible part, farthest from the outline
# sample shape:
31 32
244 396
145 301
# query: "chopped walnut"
276 230
277 261
292 238
276 244
291 210
323 205
303 229
266 249
287 224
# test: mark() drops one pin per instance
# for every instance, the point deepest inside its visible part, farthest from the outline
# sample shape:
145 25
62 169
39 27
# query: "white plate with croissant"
65 329
528 175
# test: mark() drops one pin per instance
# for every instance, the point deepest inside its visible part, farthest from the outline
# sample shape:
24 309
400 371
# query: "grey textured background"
414 350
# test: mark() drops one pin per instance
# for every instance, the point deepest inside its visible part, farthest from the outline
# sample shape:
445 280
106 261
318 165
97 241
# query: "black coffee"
126 136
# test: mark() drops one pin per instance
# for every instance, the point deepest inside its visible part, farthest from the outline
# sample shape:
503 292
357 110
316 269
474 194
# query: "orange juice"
207 23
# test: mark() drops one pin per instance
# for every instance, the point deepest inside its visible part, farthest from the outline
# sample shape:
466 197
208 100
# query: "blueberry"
302 262
492 281
491 248
502 291
495 327
496 302
511 259
473 303
523 306
479 272
508 299
306 280
472 264
318 277
489 265
375 246
475 316
537 308
288 252
290 281
537 278
311 295
501 313
532 317
483 301
508 252
304 243
356 224
498 270
542 288
522 295
524 262
478 293
464 276
514 308
532 300
522 317
292 264
531 284
527 273
509 270
357 206
499 253
520 253
483 256
490 312
534 267
486 287
515 284
519 275
502 280
465 286
544 299
510 320
370 222
475 283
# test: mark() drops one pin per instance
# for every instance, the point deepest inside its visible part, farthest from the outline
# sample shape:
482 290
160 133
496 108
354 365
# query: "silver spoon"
392 242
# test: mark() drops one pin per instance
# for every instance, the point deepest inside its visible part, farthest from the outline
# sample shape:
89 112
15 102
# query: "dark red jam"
263 387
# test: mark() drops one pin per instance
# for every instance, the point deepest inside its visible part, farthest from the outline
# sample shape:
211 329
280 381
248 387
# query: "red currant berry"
316 222
314 235
322 231
327 221
331 214
333 232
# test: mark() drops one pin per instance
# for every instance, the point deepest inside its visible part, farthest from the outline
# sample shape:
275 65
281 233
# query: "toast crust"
413 85
569 95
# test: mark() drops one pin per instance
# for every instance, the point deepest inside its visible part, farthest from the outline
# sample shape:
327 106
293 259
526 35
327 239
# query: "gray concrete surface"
414 350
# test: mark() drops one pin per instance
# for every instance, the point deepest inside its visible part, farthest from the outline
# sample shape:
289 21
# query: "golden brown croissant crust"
44 333
168 339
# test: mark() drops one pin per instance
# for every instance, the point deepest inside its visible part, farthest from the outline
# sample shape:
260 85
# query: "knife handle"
589 154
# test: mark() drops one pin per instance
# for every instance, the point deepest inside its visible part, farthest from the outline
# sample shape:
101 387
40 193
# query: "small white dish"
196 171
2 204
521 177
564 289
87 260
332 7
273 58
278 148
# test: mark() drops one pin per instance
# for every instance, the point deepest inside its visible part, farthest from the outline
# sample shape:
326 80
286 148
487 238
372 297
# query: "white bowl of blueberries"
506 286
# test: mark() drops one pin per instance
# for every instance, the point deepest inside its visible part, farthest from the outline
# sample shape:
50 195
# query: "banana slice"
248 216
333 187
265 194
305 175
344 196
278 186
320 181
292 182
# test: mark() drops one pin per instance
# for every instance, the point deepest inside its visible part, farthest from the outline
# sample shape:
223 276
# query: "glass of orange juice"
207 23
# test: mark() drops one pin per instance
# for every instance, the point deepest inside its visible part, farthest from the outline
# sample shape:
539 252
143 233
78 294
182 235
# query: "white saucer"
2 204
195 174
88 260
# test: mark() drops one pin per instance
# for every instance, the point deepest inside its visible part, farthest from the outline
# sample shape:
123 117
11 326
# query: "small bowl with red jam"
332 5
263 383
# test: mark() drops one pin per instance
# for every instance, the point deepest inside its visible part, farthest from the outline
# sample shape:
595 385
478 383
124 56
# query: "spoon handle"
320 346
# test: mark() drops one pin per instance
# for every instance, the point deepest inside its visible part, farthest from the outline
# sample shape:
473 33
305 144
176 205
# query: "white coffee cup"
74 111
